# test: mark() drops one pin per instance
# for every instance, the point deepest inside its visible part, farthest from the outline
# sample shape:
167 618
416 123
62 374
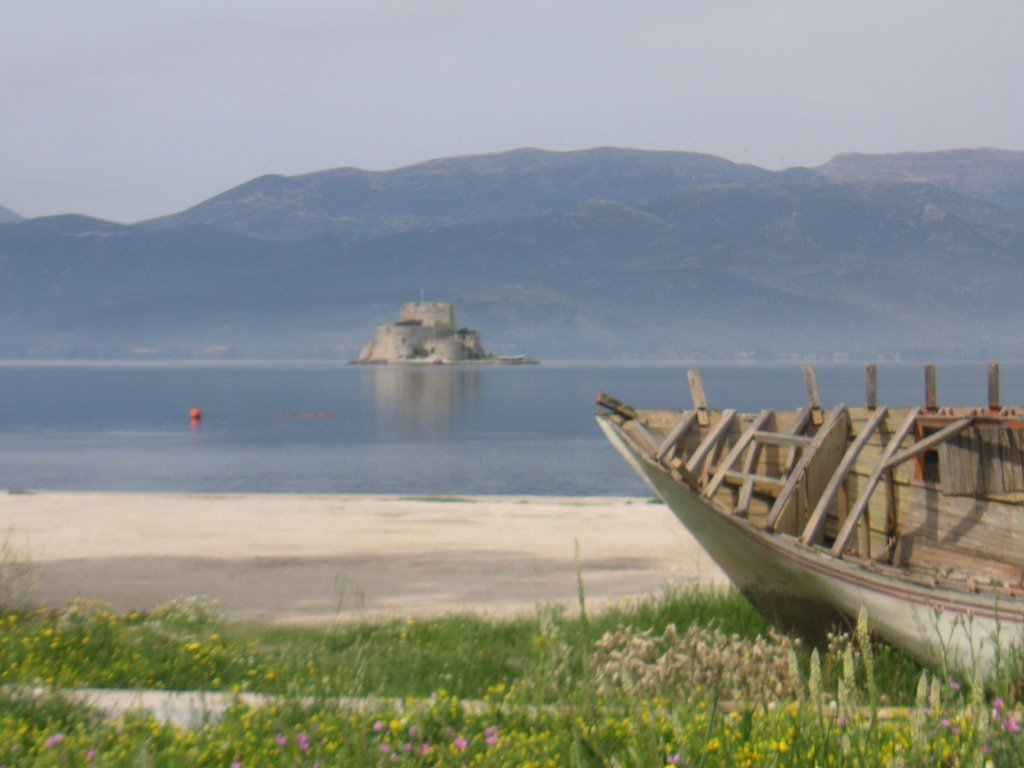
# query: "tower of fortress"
425 332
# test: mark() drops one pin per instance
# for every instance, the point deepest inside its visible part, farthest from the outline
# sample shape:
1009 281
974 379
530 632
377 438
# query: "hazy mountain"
7 215
456 190
597 254
994 175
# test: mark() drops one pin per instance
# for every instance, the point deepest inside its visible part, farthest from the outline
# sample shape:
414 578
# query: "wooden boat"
913 513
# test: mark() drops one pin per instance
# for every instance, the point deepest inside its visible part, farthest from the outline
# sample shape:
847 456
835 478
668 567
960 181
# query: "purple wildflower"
385 748
54 740
425 749
1011 725
945 722
954 685
281 740
378 726
460 744
998 704
302 740
673 759
413 730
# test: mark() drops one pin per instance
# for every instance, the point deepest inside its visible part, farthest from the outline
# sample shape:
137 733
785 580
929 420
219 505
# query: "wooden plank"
675 437
817 519
747 489
891 511
794 477
811 380
961 521
700 400
782 438
931 398
737 451
643 439
927 443
1013 469
778 482
677 469
871 386
803 418
813 397
615 405
993 387
865 495
711 440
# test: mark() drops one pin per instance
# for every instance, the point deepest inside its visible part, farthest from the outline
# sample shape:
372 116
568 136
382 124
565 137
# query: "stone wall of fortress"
426 329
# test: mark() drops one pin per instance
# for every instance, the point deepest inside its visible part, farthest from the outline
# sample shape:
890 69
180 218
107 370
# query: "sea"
326 427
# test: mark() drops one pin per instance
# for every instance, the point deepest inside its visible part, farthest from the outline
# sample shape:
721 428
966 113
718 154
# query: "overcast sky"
130 109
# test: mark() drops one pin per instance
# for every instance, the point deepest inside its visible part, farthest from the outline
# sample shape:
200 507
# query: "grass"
690 678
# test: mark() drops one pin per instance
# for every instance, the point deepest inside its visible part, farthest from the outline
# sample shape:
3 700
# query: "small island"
426 333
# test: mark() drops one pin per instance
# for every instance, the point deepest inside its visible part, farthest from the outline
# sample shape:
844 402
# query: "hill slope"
7 215
448 191
596 254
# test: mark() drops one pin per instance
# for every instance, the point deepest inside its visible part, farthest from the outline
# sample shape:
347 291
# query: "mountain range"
594 254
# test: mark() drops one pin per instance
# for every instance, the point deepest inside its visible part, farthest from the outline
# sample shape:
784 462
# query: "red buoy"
196 414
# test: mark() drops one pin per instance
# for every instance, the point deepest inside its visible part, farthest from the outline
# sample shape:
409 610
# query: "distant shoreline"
515 360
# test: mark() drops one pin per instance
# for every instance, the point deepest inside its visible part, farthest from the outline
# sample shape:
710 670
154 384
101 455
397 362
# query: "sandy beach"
306 558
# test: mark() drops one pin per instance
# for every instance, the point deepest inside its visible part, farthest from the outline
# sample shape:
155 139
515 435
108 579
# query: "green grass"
628 686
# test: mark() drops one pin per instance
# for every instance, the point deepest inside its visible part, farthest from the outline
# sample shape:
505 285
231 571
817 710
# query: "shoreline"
320 558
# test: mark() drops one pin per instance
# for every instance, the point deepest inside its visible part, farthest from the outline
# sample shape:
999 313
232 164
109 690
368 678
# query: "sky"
131 109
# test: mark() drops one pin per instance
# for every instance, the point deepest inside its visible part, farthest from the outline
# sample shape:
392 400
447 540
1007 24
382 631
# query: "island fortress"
426 333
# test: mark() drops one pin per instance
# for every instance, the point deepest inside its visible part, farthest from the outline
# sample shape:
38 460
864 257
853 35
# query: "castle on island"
426 333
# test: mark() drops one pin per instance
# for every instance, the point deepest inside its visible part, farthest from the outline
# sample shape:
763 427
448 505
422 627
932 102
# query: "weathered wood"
811 380
871 386
711 440
993 387
677 434
616 405
747 489
919 550
926 444
817 518
700 400
777 482
892 523
803 418
642 437
813 397
795 476
963 521
782 438
865 495
986 459
931 398
737 451
1013 455
677 469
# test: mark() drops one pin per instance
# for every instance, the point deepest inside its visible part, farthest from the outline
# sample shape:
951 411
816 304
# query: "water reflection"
423 398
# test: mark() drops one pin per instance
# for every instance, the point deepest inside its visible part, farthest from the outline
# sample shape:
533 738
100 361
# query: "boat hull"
805 589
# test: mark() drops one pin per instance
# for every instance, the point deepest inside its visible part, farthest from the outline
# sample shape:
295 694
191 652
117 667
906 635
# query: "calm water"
325 428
